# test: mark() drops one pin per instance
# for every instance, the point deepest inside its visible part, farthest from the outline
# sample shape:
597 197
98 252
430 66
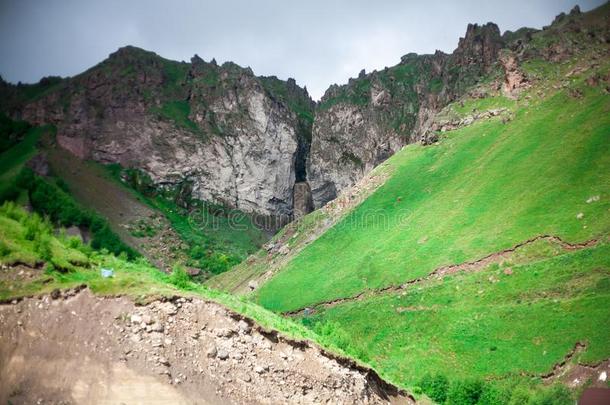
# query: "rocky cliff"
224 135
359 125
217 132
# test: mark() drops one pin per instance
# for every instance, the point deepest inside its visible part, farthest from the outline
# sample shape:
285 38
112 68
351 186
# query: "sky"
317 42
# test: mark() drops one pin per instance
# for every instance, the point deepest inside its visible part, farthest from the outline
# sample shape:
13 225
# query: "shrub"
5 250
435 387
555 395
180 278
490 395
465 392
42 246
50 200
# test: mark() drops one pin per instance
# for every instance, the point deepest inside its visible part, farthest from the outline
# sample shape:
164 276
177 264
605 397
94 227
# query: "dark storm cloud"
316 42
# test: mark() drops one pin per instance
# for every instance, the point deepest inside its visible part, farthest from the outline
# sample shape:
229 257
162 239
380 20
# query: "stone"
243 326
157 327
147 319
135 319
212 351
580 215
222 354
252 285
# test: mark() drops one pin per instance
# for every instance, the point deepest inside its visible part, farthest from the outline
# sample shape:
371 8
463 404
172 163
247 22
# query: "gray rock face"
347 142
359 125
216 128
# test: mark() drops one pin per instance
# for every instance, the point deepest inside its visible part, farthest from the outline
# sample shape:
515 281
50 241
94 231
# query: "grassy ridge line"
494 185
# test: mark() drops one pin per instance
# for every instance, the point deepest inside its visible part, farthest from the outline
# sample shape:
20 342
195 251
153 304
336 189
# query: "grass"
178 112
493 184
487 324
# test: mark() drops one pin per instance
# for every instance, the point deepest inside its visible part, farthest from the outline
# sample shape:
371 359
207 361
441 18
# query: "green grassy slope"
485 188
485 324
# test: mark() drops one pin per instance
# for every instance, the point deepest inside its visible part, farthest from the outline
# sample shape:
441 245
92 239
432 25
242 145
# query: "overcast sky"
318 42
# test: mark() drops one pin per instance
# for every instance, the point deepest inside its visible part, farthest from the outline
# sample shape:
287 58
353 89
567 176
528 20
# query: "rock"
251 132
243 326
259 370
135 319
163 361
157 327
252 285
55 294
39 165
223 332
212 351
222 354
580 215
168 308
592 199
147 319
602 376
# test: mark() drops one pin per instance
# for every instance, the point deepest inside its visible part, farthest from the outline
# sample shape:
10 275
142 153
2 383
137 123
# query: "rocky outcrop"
216 127
359 125
303 203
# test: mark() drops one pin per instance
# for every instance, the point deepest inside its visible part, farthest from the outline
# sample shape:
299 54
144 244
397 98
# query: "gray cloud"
317 42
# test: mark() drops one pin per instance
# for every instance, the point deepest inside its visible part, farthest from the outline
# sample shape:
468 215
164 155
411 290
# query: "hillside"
435 232
485 254
133 328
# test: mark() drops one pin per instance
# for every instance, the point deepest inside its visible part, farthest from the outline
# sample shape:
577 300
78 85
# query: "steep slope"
124 338
212 132
500 224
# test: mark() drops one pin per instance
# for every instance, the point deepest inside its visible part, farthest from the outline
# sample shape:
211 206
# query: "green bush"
555 395
180 278
465 392
5 250
491 395
435 387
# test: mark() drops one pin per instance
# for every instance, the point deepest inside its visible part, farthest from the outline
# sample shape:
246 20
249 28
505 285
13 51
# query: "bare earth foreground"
74 347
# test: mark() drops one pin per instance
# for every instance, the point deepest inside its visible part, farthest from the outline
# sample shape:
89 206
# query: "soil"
81 348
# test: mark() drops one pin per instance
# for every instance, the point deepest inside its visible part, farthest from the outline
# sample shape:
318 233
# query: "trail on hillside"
442 271
74 347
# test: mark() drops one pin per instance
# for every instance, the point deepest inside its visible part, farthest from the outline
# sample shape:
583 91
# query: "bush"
435 387
555 395
465 392
490 395
5 250
42 246
180 278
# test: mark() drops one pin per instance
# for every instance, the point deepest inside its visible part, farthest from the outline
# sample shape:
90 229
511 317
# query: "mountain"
479 254
440 227
213 133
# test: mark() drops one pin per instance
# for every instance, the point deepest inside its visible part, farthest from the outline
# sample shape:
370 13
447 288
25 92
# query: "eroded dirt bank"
76 348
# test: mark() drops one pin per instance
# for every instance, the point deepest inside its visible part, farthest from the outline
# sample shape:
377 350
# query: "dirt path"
80 348
440 272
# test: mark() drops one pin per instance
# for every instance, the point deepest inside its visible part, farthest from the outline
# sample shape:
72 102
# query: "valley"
433 232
